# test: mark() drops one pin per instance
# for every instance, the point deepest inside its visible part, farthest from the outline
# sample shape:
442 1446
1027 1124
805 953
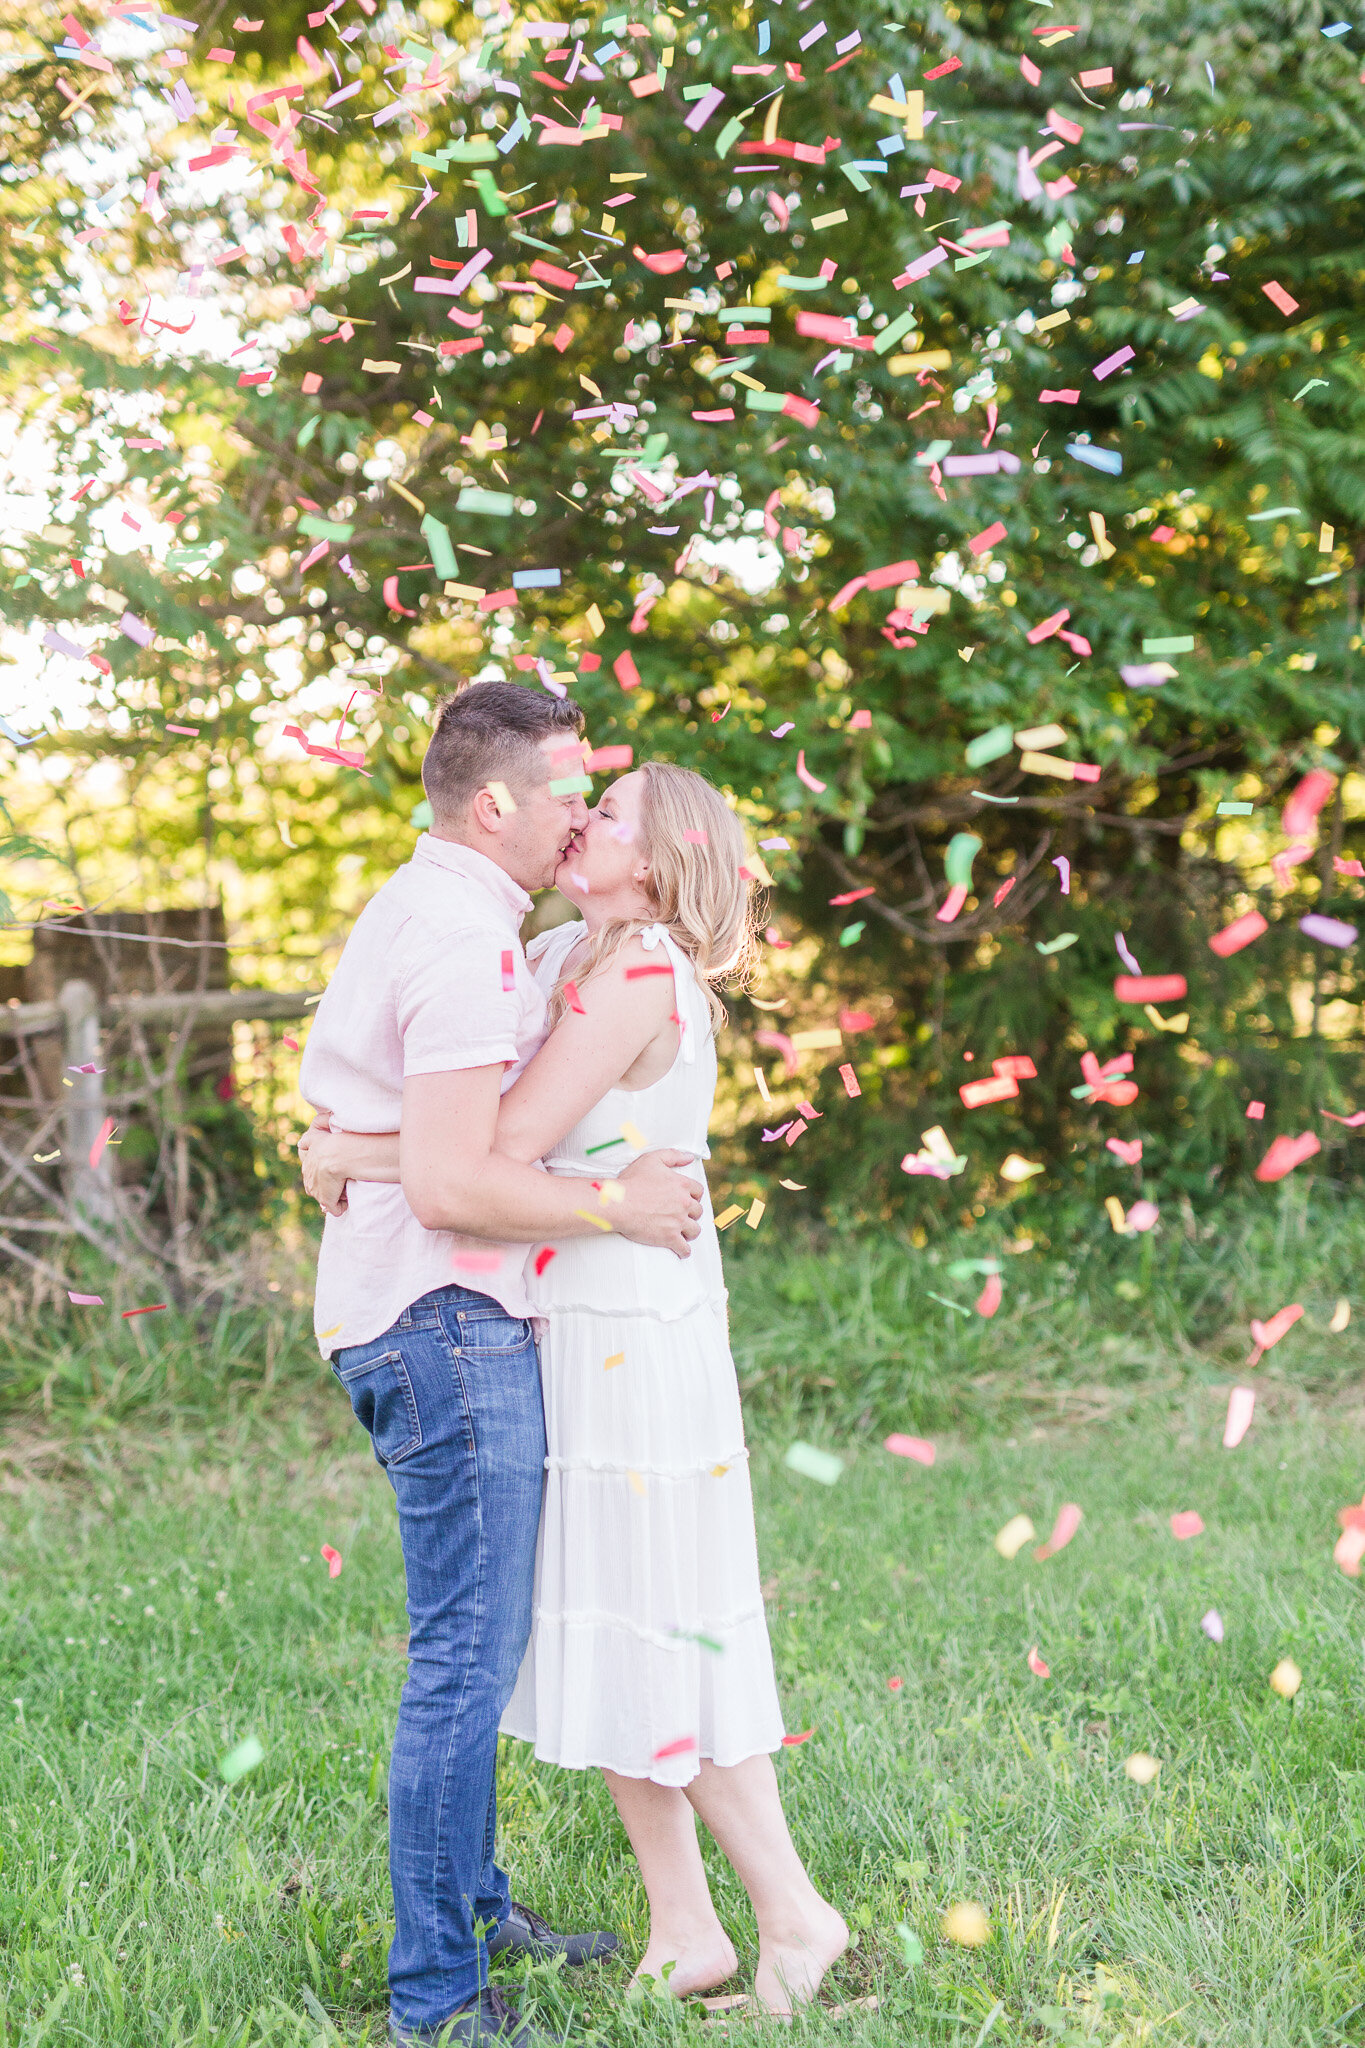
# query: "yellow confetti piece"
588 1217
816 1041
1010 1540
633 1135
756 1212
966 1924
617 1358
1341 1316
1286 1678
503 798
719 1471
1017 1168
1114 1209
927 359
728 1215
1141 1768
329 1333
637 1484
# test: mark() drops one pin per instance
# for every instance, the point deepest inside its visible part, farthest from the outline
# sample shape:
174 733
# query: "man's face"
544 826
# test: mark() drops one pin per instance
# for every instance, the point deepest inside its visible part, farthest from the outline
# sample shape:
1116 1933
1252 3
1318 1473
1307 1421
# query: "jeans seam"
472 1653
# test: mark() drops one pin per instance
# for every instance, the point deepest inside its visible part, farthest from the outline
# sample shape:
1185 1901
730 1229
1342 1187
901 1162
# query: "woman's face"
604 870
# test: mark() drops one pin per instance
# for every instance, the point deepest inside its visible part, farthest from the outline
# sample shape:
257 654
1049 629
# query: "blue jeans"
451 1398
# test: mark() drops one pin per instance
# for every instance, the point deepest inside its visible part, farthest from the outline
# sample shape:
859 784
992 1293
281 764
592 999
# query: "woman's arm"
586 1055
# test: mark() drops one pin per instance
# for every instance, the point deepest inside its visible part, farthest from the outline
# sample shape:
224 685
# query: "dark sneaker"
525 1933
487 2022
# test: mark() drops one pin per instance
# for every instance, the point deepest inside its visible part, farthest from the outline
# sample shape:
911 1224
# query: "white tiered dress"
649 1647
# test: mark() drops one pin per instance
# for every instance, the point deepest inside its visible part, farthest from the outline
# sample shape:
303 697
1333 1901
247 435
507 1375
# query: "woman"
649 1654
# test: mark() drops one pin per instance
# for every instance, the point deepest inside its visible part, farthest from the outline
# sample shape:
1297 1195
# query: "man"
421 1306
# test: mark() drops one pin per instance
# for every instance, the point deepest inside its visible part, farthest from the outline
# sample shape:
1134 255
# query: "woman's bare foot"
792 1964
699 1963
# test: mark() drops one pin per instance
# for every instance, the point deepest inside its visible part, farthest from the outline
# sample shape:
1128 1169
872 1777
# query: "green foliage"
1185 187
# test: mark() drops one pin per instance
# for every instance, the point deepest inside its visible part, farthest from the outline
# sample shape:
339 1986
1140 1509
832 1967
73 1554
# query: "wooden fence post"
88 1187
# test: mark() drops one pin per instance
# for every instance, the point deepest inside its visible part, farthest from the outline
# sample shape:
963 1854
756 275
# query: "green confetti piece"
764 401
493 202
242 1759
889 336
474 498
944 1302
802 284
1057 945
422 818
1180 643
745 316
855 179
569 785
1276 512
1235 810
911 1946
479 151
851 933
729 135
970 262
437 538
813 1464
963 848
307 432
326 529
989 746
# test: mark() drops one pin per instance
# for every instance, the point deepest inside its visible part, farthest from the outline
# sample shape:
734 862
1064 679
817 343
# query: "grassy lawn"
163 1597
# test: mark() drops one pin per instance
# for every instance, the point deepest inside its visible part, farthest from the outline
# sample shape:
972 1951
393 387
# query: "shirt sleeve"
460 1003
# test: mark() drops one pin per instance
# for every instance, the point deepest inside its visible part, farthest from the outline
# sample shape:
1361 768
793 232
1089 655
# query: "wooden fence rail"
81 1017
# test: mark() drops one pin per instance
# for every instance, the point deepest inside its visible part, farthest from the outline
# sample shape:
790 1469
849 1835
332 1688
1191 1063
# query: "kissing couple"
502 1146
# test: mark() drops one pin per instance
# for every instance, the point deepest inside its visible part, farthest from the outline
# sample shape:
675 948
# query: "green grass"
163 1596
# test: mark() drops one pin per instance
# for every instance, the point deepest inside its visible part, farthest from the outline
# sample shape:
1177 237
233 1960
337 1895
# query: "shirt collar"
474 867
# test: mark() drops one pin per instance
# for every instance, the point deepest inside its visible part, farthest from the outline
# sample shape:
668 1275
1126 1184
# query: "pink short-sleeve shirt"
432 979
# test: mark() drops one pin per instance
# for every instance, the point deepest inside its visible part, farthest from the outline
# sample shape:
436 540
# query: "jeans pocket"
492 1332
381 1395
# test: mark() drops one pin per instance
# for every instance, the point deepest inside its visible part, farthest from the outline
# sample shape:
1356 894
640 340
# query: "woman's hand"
324 1176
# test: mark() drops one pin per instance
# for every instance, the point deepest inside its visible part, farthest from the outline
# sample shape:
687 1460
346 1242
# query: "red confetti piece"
543 1258
681 1747
333 1558
795 1741
509 976
916 1447
153 1308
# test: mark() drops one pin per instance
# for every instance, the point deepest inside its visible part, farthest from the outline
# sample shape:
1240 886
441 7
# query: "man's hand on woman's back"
662 1207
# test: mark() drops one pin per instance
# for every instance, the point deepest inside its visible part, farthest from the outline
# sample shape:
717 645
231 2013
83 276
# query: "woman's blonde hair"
695 885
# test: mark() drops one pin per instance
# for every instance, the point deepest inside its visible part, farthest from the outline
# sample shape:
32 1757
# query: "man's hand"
661 1207
321 1179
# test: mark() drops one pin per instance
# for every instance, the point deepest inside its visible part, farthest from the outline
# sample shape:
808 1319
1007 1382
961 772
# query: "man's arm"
454 1180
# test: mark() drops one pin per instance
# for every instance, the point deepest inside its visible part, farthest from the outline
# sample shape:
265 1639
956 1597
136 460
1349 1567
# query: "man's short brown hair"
490 732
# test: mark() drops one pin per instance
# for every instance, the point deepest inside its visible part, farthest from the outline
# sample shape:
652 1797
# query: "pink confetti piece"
509 977
1280 298
1143 1215
805 775
987 538
1241 1404
106 1132
1112 363
1069 1519
681 1747
917 1448
988 1301
1186 1524
1036 1664
1243 931
1286 1153
1269 1334
1129 1150
1212 1625
86 1300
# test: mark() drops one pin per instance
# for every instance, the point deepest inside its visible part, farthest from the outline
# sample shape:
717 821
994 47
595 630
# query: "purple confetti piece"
704 109
1112 363
779 732
134 628
1329 931
1063 867
1145 675
1124 953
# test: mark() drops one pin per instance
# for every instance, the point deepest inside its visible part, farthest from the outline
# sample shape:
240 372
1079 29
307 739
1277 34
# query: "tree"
713 558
